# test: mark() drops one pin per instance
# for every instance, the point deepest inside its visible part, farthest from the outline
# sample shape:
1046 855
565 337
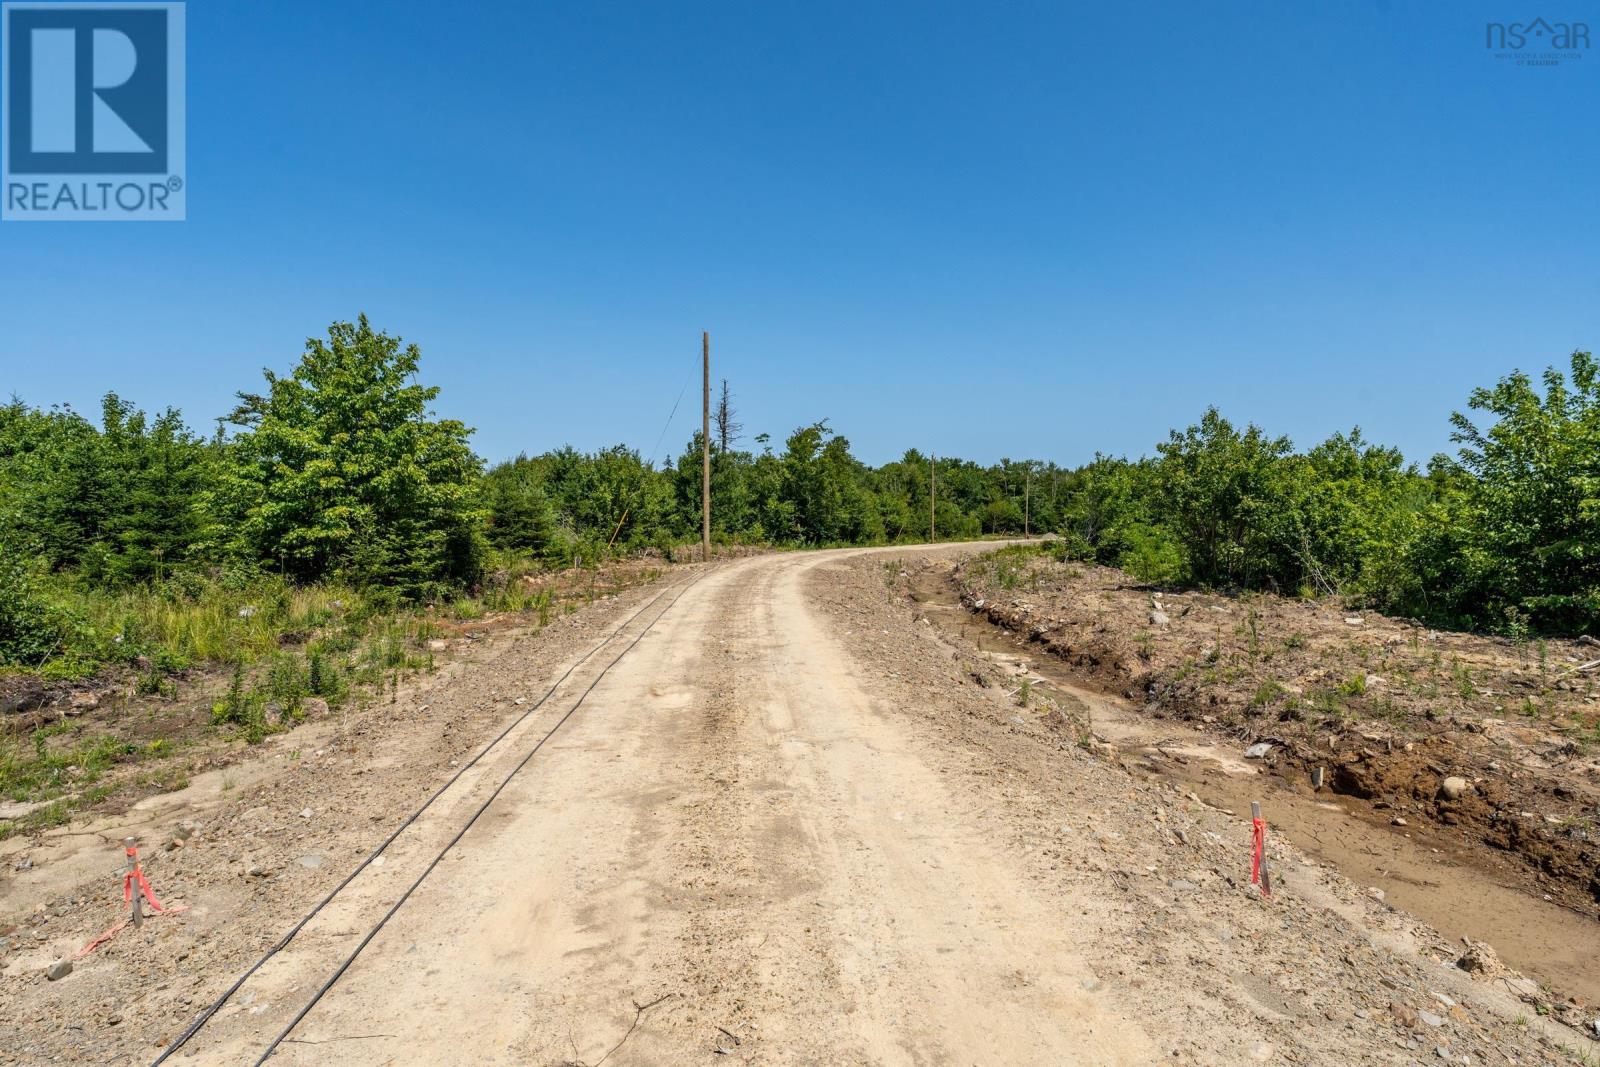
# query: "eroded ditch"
1462 891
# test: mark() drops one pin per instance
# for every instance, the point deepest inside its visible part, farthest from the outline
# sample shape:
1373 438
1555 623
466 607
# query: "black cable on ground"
322 991
205 1016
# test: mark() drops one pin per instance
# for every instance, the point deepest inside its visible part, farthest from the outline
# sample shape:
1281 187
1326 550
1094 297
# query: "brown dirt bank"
1387 709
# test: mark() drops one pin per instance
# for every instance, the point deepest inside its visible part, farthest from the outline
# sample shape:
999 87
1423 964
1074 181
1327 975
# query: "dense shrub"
1505 536
340 477
30 631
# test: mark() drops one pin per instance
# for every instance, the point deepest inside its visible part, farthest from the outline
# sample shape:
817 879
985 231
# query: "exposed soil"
1386 708
793 823
1463 891
245 847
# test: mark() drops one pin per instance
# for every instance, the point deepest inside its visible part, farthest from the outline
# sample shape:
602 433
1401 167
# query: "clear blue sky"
986 229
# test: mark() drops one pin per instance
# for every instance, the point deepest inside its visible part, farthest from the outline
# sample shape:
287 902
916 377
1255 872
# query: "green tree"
121 503
1349 510
155 476
1533 504
822 488
519 512
50 492
342 469
1220 491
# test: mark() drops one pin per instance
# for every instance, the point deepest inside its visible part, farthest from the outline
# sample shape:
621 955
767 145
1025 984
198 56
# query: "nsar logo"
92 109
1538 42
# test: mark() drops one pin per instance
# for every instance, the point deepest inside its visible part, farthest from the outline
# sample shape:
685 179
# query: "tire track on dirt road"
498 751
720 825
858 916
788 821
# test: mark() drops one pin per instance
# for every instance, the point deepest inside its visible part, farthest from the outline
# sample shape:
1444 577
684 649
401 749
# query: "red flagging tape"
102 939
129 880
137 876
1258 854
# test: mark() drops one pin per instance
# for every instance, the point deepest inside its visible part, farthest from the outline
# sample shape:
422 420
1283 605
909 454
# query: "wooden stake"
705 446
1266 871
932 498
137 915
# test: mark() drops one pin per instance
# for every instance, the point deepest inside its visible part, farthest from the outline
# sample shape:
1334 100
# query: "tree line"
341 470
1503 536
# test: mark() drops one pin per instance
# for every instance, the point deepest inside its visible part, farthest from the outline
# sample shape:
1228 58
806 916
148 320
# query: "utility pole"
705 446
1027 497
932 492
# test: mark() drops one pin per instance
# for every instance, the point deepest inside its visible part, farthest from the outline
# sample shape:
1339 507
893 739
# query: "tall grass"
283 647
212 622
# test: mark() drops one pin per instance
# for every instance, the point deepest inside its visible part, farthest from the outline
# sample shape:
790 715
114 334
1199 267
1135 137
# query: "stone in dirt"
1158 617
1480 961
58 970
1258 750
1454 788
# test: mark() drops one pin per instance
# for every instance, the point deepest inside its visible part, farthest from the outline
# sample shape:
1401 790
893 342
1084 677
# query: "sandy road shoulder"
1321 974
274 833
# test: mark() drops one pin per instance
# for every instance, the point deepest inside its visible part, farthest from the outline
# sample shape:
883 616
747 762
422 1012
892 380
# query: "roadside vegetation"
312 545
331 530
336 491
184 678
1502 537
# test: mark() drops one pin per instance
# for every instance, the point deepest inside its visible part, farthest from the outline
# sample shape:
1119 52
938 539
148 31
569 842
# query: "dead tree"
728 426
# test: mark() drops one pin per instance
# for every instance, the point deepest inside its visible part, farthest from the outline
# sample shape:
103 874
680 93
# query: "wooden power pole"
932 493
1027 497
705 446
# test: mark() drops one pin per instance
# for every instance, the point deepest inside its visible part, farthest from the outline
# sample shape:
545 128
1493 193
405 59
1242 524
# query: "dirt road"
793 825
728 819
